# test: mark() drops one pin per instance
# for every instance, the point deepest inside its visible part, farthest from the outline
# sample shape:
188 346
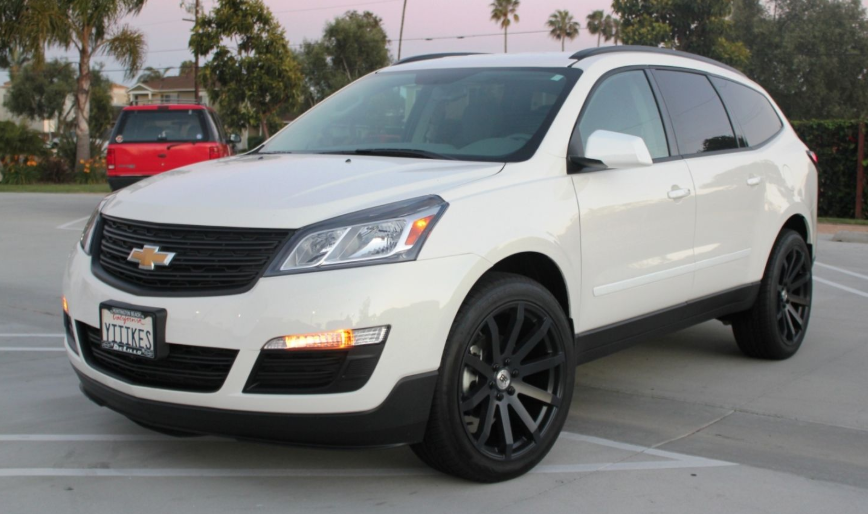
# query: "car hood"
287 191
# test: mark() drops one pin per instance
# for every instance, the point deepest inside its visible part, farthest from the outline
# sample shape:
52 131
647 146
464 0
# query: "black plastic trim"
122 181
353 372
593 52
428 57
600 342
400 419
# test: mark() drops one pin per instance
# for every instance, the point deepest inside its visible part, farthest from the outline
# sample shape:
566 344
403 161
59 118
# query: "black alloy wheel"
505 382
775 326
513 380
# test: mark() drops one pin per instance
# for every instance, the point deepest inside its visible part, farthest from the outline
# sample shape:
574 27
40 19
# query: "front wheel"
775 326
505 385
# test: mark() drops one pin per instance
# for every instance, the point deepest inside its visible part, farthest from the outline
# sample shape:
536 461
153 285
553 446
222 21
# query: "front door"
637 224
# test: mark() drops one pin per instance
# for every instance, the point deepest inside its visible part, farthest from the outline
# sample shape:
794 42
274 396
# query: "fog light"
332 340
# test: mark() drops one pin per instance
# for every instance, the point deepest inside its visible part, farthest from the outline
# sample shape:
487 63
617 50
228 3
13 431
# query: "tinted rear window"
161 126
698 117
750 110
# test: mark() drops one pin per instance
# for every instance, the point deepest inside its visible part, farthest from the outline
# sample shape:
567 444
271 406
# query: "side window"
698 117
750 110
625 103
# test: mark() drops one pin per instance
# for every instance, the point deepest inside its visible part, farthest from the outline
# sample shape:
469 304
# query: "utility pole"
860 171
401 34
196 57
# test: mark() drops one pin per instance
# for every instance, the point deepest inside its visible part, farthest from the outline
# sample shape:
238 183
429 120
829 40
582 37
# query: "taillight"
110 159
214 152
814 158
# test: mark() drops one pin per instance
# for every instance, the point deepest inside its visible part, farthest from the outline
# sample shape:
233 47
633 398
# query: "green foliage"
702 27
41 91
563 26
834 142
604 26
352 46
18 141
54 170
102 113
91 171
150 73
250 84
811 55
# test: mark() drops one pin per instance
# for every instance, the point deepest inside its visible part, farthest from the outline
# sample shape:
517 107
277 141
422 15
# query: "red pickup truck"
151 139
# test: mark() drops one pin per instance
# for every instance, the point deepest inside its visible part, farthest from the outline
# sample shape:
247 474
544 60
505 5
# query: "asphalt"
684 423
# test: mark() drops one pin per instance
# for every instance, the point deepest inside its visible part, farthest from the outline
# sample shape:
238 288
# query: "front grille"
303 372
186 368
207 260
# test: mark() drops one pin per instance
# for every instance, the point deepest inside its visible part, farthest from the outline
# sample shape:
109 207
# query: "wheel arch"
799 223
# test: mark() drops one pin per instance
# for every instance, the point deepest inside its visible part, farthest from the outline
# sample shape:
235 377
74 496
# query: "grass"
842 221
55 188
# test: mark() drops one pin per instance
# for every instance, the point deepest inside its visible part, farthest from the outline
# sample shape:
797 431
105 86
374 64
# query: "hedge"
835 143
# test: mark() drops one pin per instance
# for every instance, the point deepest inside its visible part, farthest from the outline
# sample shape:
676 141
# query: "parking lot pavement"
680 424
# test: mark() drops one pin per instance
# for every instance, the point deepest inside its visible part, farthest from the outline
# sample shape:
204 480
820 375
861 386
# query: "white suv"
425 257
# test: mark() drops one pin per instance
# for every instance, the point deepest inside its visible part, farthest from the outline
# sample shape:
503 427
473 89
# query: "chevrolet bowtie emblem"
150 256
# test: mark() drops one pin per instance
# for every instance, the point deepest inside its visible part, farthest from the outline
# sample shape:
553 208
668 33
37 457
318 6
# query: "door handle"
677 194
754 181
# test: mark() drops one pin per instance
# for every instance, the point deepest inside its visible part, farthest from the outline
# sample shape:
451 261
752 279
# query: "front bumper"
401 419
419 300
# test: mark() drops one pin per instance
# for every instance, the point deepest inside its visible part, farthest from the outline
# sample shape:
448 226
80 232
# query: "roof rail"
426 57
592 52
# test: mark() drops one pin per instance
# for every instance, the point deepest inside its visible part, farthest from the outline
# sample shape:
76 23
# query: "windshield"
160 126
487 114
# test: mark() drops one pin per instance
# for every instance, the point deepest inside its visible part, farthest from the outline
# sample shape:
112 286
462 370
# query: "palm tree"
614 29
563 26
149 74
504 12
596 27
93 27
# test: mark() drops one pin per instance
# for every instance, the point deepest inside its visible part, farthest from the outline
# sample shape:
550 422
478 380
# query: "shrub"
55 171
92 171
835 143
18 140
20 173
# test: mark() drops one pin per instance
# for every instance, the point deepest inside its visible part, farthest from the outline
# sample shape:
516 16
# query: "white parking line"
842 270
673 461
30 335
69 225
31 349
840 286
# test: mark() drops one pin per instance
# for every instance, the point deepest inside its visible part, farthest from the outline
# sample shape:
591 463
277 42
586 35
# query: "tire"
526 378
775 326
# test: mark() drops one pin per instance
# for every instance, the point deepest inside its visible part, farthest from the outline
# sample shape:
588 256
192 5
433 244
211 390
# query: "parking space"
680 424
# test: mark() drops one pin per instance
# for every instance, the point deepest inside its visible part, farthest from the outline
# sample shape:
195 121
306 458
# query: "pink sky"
167 34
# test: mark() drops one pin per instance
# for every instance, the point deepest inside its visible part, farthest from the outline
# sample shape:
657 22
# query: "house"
172 89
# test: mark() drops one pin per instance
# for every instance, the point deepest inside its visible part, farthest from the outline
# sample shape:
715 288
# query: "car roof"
168 107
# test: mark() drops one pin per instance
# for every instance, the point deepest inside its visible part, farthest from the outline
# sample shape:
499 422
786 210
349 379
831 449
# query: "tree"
504 12
186 68
563 26
252 74
93 28
811 55
698 26
595 24
41 92
149 74
352 46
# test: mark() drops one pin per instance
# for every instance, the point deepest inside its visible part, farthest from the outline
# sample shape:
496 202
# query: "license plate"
129 330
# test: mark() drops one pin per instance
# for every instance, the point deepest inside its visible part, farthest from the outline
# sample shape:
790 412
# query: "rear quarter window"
160 126
756 118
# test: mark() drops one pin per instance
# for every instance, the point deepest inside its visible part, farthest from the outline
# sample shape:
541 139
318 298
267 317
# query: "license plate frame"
133 330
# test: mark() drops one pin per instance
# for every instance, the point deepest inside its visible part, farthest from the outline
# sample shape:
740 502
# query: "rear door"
637 224
729 189
152 141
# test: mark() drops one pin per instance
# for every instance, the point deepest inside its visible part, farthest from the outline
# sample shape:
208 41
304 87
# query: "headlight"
87 233
391 233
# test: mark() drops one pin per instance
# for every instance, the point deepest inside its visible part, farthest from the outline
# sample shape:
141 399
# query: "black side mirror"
234 139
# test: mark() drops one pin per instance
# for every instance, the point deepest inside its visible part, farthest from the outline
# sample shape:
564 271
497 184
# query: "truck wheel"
775 326
505 384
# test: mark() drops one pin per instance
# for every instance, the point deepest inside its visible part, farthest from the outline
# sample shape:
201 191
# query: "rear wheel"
505 384
775 326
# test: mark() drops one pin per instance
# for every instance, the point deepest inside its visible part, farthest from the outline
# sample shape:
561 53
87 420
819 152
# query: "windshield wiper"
394 152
